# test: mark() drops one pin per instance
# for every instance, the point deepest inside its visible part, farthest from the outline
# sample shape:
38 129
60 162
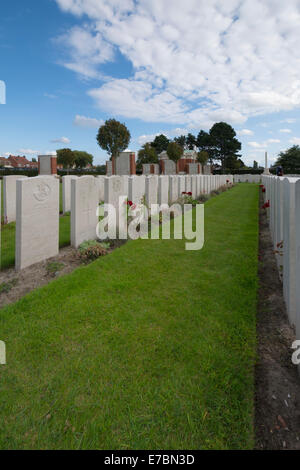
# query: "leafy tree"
289 160
224 145
113 137
33 160
174 151
147 154
160 143
191 141
66 157
203 157
255 165
181 140
83 159
204 143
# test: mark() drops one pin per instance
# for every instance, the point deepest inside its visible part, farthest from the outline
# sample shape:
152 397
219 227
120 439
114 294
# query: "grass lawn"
151 347
7 248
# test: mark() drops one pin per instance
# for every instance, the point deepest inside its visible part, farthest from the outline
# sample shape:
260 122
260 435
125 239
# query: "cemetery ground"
151 347
277 387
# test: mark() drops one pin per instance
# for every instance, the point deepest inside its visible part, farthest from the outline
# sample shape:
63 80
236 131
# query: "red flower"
261 186
129 203
266 205
227 181
183 192
263 190
189 193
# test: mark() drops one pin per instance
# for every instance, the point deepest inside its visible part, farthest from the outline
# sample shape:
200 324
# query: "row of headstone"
283 194
34 204
247 178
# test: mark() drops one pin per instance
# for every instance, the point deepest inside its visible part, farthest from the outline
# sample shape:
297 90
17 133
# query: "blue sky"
159 66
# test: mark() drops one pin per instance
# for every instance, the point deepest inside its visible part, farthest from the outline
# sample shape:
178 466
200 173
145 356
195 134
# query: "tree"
181 140
289 160
255 165
114 137
203 157
65 157
160 143
174 151
224 145
204 143
191 141
147 154
83 159
33 160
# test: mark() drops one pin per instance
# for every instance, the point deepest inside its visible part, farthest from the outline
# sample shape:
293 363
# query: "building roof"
18 161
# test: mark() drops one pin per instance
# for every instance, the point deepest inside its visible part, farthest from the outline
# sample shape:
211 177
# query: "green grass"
151 347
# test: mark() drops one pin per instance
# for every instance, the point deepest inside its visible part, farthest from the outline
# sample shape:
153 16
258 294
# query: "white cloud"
50 96
83 121
289 120
87 50
245 132
61 140
285 131
295 140
244 63
29 152
263 145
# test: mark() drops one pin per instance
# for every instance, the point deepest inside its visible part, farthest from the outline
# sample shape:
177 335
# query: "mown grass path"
151 347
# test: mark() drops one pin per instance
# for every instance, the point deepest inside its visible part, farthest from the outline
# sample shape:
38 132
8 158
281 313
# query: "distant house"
4 163
17 163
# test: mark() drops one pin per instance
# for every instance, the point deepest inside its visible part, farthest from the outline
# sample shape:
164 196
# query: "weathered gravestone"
163 190
173 188
37 221
151 193
66 192
9 197
84 205
136 189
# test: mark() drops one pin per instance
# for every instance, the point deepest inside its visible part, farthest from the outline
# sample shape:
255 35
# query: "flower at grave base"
266 205
183 192
129 203
189 193
261 186
227 181
133 206
263 190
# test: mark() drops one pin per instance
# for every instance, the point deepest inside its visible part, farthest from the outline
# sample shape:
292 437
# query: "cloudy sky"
160 66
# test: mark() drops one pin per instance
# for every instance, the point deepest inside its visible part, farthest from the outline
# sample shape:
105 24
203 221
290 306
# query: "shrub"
92 249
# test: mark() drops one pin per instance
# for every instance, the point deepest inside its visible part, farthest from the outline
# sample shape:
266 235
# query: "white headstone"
151 190
37 222
66 192
173 188
101 179
9 197
163 189
136 191
84 204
